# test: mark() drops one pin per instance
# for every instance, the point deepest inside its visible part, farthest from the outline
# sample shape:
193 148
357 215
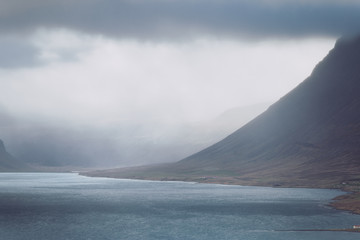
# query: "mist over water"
68 206
116 145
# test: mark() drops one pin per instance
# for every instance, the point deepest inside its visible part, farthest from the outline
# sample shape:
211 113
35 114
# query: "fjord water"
68 206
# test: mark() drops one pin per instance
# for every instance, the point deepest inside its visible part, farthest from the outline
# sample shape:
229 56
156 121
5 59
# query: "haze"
116 83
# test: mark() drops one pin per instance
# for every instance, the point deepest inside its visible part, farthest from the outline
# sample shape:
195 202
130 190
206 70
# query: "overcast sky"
125 61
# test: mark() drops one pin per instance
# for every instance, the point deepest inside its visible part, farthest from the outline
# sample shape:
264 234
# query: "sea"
66 206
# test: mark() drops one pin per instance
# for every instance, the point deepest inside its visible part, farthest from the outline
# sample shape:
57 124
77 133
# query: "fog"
118 83
97 102
117 145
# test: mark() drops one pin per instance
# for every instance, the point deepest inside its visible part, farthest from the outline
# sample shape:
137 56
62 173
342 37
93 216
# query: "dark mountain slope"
8 163
310 136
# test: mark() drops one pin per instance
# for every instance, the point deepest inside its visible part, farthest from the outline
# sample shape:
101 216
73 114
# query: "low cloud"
132 81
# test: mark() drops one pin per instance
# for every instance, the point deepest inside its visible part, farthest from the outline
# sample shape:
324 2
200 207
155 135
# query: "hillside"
310 137
8 163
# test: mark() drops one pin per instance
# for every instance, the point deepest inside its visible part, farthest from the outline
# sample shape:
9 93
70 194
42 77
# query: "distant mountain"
209 132
8 163
309 137
187 138
58 145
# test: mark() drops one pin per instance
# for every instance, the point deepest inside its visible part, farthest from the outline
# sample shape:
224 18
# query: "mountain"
8 163
310 137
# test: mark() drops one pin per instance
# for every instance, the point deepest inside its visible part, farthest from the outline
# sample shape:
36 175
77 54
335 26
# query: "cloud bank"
105 80
184 19
168 21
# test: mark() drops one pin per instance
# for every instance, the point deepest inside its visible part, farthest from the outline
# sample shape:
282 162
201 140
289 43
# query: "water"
67 206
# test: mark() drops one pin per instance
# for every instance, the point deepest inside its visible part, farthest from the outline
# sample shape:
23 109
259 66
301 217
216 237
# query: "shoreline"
349 201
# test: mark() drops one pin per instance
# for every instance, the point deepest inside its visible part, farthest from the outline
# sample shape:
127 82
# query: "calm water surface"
67 206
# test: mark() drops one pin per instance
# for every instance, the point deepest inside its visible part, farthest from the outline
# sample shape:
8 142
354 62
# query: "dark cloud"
15 53
186 18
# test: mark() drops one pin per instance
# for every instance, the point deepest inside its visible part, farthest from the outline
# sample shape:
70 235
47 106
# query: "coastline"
349 201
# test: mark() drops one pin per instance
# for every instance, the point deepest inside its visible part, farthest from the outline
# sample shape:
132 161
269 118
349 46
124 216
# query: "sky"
118 63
